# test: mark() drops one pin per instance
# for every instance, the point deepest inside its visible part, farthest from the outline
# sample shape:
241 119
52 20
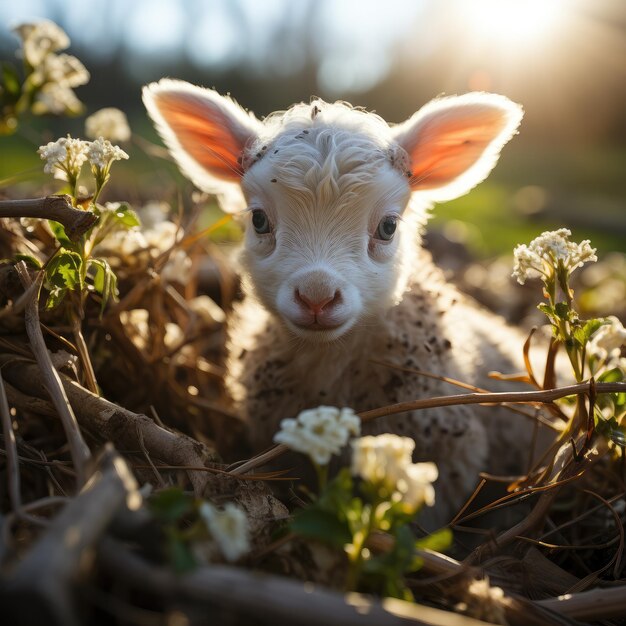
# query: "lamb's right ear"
205 132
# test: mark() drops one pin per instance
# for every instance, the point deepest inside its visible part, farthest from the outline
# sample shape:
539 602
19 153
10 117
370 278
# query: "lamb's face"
324 229
328 239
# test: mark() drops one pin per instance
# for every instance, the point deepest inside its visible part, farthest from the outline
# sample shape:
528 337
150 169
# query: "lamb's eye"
260 222
386 228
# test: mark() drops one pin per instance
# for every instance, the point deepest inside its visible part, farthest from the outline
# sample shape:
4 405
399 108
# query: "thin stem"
13 466
85 359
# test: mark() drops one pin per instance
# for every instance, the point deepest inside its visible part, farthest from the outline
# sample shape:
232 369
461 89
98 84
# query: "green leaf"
169 505
55 297
123 216
562 310
618 437
316 523
64 270
614 375
591 326
546 309
29 260
104 280
180 555
438 541
11 83
59 232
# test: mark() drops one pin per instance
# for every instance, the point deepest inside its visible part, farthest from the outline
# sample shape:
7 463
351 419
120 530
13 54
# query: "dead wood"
79 450
57 208
268 599
39 589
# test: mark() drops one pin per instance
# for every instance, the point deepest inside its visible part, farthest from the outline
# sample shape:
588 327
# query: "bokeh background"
564 60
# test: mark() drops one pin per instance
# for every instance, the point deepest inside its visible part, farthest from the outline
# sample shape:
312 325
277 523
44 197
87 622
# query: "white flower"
63 70
608 340
109 123
385 460
65 155
101 153
154 213
484 602
546 251
161 236
40 39
319 432
57 100
229 528
416 486
178 268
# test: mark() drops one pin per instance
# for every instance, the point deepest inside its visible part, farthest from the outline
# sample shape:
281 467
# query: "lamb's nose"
317 305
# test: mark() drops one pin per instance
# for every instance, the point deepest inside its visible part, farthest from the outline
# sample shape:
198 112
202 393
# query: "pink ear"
453 143
205 132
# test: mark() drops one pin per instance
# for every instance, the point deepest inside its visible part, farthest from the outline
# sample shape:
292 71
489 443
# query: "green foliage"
346 515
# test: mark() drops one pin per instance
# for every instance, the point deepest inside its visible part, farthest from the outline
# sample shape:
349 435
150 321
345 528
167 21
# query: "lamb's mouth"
320 332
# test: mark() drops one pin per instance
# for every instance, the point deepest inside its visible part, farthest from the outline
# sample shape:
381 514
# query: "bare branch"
57 208
79 450
39 589
246 595
10 446
501 397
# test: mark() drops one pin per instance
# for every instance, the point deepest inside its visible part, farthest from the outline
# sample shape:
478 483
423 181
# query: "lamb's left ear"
205 132
453 143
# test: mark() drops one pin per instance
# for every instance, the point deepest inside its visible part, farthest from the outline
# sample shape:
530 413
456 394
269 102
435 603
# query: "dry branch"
121 426
39 589
10 447
268 599
501 397
79 450
57 208
594 605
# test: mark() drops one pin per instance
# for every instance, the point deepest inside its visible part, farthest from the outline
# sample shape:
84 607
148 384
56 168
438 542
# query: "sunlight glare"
513 21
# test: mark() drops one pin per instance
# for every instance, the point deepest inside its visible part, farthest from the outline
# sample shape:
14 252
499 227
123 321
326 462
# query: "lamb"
334 202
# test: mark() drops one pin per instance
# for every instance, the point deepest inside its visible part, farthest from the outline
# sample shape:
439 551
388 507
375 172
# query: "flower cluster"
549 250
101 153
109 123
319 432
229 528
39 39
385 461
64 157
52 76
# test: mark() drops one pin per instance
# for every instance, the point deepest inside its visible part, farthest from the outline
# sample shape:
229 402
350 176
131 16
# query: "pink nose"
316 306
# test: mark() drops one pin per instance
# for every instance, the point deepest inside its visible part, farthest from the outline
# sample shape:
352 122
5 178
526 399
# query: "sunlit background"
564 60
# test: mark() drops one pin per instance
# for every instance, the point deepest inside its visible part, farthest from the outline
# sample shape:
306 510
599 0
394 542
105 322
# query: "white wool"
325 175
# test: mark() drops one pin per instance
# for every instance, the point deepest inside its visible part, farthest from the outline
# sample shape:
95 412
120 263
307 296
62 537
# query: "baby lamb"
334 202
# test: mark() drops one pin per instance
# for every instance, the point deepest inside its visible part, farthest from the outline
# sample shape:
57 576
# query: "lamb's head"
334 197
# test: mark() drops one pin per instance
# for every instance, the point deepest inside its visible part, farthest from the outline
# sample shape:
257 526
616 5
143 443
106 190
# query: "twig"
57 208
81 455
517 397
594 605
39 590
13 466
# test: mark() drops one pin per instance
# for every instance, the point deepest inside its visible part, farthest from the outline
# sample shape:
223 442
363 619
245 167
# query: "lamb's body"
435 329
334 272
